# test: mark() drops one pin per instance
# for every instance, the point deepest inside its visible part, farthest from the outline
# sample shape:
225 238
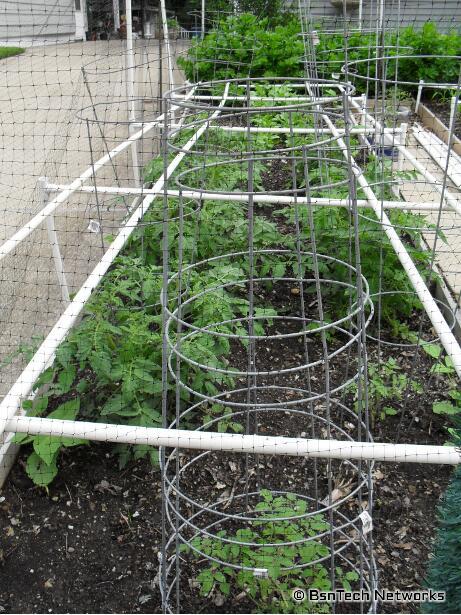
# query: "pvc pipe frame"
23 385
297 131
290 100
10 244
215 441
436 184
54 243
447 339
258 198
438 151
200 440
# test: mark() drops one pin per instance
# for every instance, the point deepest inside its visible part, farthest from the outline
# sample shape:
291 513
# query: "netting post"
418 97
203 19
402 139
54 241
454 103
130 89
167 43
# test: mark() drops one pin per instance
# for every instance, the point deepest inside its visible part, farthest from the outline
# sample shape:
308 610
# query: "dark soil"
91 545
442 111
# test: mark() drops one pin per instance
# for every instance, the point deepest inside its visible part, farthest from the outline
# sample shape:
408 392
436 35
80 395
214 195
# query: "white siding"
36 20
446 13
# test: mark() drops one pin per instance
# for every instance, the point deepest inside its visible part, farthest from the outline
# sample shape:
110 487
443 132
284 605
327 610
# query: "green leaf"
390 411
47 447
66 379
44 378
39 472
154 456
22 438
116 405
445 407
66 411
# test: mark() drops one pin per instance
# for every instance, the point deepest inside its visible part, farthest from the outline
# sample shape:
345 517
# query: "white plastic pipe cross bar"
295 130
257 198
239 443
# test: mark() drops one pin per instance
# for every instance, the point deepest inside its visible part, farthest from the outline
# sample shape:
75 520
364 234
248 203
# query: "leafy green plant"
42 462
225 423
386 383
246 45
111 362
443 366
283 566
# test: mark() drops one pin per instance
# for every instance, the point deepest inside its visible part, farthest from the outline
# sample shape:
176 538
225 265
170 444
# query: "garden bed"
441 109
91 545
91 541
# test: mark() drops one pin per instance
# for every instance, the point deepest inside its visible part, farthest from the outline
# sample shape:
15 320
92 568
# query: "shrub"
444 568
246 46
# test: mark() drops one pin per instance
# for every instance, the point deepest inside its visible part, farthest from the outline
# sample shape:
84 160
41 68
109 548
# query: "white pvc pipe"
23 385
297 131
289 101
239 443
203 19
418 96
166 38
453 105
10 244
436 184
130 89
54 242
258 198
438 150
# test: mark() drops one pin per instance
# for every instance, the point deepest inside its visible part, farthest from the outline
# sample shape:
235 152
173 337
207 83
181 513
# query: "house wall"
36 20
446 13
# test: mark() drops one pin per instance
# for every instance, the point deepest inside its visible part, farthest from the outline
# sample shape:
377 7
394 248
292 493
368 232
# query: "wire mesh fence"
248 260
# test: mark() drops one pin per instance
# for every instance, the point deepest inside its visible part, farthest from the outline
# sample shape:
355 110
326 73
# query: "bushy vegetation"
109 367
288 565
410 42
247 46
